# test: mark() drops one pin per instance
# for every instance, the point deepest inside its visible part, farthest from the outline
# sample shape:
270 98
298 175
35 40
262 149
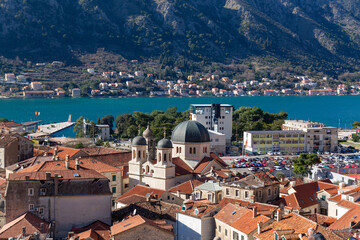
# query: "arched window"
144 153
147 169
190 150
269 192
164 157
170 157
194 150
179 149
159 157
139 154
134 154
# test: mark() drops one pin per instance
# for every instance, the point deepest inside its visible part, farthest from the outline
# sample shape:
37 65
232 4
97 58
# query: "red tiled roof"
100 151
97 231
28 220
306 194
186 187
141 191
292 225
181 168
204 207
9 124
352 215
114 159
63 151
262 208
85 164
62 174
135 221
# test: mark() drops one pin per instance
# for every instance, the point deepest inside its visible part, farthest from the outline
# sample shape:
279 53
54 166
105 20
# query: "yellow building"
274 141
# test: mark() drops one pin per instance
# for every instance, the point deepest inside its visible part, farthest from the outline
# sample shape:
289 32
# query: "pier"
54 127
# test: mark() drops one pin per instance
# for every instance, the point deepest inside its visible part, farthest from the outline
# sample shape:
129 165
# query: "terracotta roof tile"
186 187
97 231
100 151
63 151
135 221
28 220
85 164
262 208
204 207
181 168
292 225
141 191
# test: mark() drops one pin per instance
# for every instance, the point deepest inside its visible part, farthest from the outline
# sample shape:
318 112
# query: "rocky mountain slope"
317 31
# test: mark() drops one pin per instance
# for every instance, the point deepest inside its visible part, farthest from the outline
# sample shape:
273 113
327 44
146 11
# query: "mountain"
315 31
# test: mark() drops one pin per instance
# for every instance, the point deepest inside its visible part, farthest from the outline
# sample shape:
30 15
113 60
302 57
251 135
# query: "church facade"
171 162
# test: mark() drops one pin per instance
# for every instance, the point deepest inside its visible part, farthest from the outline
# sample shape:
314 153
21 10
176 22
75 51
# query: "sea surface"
332 110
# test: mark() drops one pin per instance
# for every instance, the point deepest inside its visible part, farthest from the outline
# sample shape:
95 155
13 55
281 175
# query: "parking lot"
347 158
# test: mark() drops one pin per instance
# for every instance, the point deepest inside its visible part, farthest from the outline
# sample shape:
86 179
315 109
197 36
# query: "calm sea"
327 109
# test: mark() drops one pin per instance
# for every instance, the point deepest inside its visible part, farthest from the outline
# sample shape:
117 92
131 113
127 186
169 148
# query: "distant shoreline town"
122 84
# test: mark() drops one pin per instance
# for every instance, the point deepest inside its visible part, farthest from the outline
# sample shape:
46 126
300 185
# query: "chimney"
67 157
24 231
55 151
341 185
77 164
42 230
252 199
292 183
278 215
48 176
71 235
259 227
67 163
254 212
178 193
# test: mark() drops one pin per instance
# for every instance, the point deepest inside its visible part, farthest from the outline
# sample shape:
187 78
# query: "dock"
54 127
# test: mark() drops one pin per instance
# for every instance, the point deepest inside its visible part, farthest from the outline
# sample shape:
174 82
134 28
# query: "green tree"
108 120
79 145
132 131
355 124
79 127
355 138
303 163
123 122
3 120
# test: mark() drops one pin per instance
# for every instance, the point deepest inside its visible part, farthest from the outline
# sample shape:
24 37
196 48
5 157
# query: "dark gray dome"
139 140
164 143
190 131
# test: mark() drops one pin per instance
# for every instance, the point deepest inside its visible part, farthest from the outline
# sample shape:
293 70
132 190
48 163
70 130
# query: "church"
168 163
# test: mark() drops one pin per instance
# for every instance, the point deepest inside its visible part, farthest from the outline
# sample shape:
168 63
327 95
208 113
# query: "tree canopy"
303 163
254 118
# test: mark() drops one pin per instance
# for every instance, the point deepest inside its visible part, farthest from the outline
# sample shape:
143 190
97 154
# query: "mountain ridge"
321 32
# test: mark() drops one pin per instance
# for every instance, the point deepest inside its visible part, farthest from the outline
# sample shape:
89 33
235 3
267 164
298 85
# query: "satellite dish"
134 212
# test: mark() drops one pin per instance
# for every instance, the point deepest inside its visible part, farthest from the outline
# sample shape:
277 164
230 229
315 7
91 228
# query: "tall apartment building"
216 117
318 137
275 141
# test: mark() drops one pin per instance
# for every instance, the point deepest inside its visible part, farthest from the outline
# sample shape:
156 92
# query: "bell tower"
150 141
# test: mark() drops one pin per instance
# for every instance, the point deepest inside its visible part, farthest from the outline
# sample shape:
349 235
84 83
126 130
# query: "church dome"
139 140
148 133
190 131
164 143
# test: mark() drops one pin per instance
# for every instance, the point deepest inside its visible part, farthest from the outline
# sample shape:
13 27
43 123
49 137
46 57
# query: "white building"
36 86
218 142
10 77
216 117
